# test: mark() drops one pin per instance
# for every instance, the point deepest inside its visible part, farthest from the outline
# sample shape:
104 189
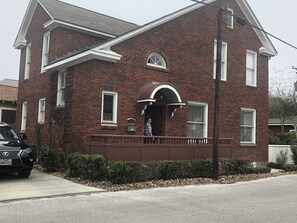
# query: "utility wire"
242 21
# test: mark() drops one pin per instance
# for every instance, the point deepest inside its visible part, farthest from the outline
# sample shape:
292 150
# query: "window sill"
108 126
165 70
248 145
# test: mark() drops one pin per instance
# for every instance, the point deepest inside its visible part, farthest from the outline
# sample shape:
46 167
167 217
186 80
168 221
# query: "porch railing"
136 139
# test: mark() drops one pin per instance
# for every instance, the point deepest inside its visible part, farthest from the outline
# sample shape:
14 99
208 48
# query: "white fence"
274 150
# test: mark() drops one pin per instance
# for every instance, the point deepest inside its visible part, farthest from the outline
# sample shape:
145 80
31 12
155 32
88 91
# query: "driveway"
39 185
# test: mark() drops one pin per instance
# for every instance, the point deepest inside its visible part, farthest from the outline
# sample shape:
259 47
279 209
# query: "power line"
242 21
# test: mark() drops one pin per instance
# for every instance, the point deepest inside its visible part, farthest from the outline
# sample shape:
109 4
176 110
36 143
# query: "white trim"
24 116
205 126
52 24
225 63
162 86
160 57
255 58
27 61
41 118
232 17
114 108
61 74
45 50
254 125
104 55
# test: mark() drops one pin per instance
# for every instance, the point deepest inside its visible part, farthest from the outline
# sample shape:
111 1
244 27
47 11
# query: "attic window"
156 60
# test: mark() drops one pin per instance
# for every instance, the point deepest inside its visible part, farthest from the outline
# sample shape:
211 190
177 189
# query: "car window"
8 134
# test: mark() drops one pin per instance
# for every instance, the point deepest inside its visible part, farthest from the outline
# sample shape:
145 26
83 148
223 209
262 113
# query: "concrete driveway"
39 185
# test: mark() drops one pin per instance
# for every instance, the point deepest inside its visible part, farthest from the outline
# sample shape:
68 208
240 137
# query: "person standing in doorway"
148 130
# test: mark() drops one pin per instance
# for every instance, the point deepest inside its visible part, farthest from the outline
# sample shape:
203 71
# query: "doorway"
156 114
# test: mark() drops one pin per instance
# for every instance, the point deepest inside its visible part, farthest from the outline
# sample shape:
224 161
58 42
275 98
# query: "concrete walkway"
39 185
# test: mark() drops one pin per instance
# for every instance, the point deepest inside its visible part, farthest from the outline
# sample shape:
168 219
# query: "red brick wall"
187 45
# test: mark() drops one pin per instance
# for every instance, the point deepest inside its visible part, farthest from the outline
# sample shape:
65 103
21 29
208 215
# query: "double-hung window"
197 120
230 18
45 50
251 68
223 61
109 107
61 88
41 111
248 125
28 61
24 116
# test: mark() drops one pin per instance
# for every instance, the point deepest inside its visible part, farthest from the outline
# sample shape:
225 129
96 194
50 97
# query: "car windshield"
7 134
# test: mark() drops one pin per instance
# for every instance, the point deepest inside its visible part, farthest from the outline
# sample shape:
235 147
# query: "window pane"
250 76
247 118
246 134
196 114
195 130
108 108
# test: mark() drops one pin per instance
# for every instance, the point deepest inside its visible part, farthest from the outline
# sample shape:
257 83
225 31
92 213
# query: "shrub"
48 159
290 167
120 172
202 168
176 169
258 169
86 166
294 153
282 158
234 166
274 165
283 139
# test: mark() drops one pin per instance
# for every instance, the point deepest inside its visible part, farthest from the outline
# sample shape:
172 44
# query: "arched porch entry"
156 99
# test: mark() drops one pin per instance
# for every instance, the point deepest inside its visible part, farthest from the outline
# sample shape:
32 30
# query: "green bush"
282 158
290 167
258 169
86 166
48 159
120 172
234 166
294 153
274 165
283 139
176 169
202 168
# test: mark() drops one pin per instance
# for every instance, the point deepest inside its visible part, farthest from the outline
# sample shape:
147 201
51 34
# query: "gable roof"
103 51
73 17
292 121
8 92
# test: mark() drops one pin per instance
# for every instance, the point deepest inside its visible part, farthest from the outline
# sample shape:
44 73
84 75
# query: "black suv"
15 154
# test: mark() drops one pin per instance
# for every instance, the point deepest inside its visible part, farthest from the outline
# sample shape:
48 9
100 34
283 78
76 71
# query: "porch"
143 148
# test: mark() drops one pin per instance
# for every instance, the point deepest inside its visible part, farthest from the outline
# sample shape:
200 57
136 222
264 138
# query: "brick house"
91 81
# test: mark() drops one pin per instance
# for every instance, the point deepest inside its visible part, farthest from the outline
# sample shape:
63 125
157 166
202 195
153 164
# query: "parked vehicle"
15 154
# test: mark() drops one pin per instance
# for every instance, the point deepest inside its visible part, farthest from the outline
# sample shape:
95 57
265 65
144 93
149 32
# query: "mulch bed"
169 183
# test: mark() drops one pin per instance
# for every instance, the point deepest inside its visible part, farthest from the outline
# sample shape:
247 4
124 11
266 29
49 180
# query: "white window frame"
205 115
28 61
114 109
223 62
61 88
41 110
158 59
253 69
253 126
45 50
24 116
230 13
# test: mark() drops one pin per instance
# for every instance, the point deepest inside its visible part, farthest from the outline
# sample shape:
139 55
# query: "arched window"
156 60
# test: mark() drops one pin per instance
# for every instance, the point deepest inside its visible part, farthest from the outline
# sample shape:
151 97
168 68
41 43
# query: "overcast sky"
277 17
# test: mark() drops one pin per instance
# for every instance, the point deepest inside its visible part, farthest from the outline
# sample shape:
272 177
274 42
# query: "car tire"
24 173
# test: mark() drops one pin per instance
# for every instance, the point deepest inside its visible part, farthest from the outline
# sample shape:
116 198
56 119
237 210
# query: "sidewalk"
39 185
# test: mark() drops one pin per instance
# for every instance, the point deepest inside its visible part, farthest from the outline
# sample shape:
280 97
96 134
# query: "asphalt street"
270 200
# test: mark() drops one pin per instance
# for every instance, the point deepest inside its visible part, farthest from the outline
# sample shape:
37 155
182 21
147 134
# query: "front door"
156 114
